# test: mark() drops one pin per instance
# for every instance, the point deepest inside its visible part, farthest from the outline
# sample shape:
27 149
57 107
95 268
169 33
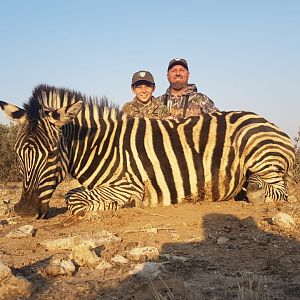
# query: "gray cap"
178 61
142 76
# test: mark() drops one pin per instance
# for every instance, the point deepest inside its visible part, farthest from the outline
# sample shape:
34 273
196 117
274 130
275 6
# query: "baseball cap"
178 61
142 76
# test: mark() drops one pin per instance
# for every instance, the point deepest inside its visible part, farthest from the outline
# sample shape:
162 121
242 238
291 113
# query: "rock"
269 200
103 266
84 254
13 287
119 259
4 271
143 253
63 243
104 237
167 256
60 266
284 220
248 222
22 232
222 240
292 199
149 270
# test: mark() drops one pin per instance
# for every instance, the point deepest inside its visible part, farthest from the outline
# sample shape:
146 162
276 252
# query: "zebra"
120 160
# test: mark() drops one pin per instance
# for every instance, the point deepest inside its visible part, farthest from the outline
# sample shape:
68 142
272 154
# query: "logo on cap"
142 74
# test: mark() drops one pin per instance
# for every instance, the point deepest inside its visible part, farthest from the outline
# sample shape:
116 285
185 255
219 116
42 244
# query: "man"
144 104
182 98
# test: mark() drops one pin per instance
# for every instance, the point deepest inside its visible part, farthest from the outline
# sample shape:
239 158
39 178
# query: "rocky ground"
228 250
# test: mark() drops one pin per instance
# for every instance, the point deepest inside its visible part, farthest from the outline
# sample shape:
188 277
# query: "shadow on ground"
236 260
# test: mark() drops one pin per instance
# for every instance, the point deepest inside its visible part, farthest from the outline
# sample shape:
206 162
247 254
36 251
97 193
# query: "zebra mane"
46 98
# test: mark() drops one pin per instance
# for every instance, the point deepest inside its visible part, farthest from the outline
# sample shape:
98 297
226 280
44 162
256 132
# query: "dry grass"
253 287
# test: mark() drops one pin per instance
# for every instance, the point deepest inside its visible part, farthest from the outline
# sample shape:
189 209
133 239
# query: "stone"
149 270
67 243
284 220
60 266
292 199
222 240
119 259
171 257
143 253
22 232
104 265
13 287
4 271
103 237
84 254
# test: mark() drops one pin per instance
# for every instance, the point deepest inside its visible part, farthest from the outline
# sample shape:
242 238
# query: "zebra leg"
81 200
260 190
111 197
255 191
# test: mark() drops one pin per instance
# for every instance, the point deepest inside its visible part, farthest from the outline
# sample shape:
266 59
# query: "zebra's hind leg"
255 191
260 190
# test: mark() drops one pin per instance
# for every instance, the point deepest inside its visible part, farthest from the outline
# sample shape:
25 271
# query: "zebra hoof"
255 194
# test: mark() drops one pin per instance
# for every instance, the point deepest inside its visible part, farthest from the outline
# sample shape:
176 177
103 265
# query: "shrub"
9 168
297 150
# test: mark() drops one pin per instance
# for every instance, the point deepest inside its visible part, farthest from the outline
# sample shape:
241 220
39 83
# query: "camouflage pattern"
190 103
153 109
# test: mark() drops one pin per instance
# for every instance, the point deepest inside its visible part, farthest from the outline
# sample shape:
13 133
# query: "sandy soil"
227 250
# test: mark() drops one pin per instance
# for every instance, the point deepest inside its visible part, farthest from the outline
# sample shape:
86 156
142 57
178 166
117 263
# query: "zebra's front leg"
80 200
112 197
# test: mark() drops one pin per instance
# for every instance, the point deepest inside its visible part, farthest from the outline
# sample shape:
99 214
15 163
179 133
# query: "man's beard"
178 86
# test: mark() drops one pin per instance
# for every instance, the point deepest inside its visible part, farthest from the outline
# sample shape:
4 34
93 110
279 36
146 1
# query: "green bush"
9 168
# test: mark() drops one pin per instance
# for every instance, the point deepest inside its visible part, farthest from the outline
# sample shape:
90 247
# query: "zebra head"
41 154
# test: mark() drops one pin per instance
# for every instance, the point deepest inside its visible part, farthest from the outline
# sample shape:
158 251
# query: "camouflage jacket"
190 103
153 109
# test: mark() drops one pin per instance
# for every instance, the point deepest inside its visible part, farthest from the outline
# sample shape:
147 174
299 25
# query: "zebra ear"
13 112
65 115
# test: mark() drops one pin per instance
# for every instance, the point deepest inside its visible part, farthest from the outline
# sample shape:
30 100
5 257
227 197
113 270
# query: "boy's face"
143 91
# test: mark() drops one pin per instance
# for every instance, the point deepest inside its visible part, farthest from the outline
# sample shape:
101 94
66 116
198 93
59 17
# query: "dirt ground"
227 250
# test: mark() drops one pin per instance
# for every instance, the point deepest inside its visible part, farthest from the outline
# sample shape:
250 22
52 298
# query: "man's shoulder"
200 97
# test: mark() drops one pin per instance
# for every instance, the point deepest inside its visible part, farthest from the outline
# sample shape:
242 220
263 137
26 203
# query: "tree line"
9 170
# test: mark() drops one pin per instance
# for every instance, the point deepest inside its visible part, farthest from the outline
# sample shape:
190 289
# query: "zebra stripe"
118 160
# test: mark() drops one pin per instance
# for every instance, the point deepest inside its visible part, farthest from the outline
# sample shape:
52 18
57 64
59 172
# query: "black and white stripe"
160 162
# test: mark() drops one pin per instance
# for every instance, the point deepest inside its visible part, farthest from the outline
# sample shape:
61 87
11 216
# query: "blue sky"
244 55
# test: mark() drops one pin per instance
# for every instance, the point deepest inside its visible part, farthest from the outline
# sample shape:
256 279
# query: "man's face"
143 91
178 77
